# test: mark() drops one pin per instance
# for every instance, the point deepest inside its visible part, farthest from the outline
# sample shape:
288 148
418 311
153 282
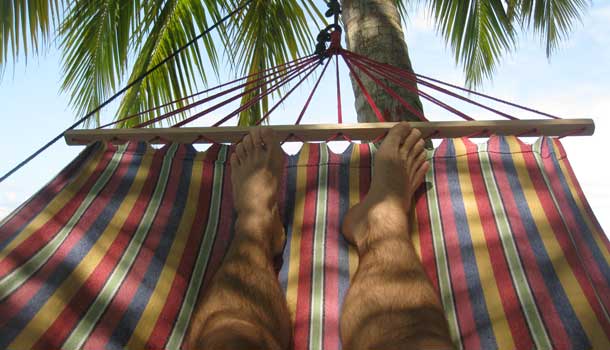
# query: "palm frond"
26 25
269 33
553 20
95 41
479 32
172 24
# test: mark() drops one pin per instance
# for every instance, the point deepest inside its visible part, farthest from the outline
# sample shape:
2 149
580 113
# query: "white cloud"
4 212
11 196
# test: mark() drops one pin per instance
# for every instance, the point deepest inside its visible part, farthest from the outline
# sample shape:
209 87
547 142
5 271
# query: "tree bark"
373 29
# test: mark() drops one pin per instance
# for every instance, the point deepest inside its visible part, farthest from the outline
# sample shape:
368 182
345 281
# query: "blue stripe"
582 228
560 300
126 326
289 204
76 254
475 290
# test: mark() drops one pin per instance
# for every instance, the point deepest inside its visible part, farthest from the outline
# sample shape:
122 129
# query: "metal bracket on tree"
331 34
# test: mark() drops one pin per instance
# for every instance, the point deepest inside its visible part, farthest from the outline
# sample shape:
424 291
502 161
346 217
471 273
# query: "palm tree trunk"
373 29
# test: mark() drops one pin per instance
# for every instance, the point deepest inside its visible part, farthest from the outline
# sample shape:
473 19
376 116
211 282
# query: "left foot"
399 169
255 168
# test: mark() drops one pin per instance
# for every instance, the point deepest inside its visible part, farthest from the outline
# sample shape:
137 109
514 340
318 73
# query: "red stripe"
331 258
425 237
81 301
175 298
23 295
41 199
570 251
118 306
366 166
549 313
570 173
508 295
223 232
461 295
30 246
303 310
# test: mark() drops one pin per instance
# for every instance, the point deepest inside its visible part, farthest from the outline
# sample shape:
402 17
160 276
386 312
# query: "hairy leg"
245 307
391 304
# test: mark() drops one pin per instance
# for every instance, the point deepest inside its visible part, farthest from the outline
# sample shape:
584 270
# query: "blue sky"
573 83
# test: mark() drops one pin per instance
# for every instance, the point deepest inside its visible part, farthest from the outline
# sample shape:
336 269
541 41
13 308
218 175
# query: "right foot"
399 169
255 169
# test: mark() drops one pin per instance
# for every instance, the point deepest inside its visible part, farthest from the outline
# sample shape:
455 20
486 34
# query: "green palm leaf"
26 25
172 24
553 20
95 41
479 32
270 33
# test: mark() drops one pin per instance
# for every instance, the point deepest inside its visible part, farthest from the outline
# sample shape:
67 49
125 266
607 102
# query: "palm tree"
106 43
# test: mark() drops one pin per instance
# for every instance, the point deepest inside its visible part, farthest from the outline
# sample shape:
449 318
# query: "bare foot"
255 168
399 169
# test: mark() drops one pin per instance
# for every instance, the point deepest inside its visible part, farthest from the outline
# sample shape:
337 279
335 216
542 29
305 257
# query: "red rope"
313 91
484 132
512 104
337 135
526 132
286 75
262 79
428 97
287 65
292 136
258 97
414 78
572 133
380 137
432 134
286 96
390 91
339 112
364 91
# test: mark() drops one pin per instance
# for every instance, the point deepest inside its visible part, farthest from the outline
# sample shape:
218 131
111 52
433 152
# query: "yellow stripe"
493 300
354 198
598 236
570 284
158 298
297 226
414 231
57 203
57 302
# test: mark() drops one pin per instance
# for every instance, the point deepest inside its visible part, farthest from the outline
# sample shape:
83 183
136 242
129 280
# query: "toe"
268 136
234 160
257 140
416 163
413 154
411 140
240 150
418 179
397 134
248 143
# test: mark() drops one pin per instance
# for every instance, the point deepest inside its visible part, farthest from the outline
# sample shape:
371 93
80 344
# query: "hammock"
115 251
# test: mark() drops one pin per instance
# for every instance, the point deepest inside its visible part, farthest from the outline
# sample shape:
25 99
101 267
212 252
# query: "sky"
573 83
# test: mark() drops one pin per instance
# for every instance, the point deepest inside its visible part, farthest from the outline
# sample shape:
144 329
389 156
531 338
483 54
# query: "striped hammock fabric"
116 250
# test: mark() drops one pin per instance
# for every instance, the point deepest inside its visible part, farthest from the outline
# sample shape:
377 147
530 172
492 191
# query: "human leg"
245 307
391 304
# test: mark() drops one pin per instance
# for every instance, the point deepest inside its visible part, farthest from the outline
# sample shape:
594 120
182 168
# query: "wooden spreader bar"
323 132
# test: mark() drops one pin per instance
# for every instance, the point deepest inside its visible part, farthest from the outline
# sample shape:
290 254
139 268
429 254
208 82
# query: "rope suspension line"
260 85
123 90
